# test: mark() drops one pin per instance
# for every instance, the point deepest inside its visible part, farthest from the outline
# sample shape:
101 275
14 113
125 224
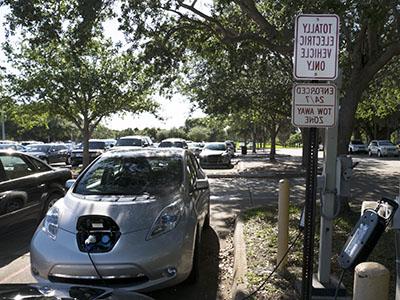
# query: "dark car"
134 141
65 292
173 143
49 153
28 188
96 148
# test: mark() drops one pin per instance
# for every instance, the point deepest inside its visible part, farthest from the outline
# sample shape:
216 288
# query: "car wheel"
350 151
195 272
50 202
68 160
379 154
369 153
207 219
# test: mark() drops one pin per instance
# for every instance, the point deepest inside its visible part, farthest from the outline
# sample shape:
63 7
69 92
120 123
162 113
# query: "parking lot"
373 178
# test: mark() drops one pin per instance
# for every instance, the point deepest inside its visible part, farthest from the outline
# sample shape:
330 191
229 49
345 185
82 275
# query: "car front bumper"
133 264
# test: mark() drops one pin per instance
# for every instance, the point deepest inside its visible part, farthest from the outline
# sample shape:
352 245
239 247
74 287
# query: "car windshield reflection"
132 176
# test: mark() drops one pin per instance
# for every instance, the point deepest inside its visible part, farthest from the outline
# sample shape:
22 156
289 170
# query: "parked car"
382 148
49 153
134 141
26 143
28 188
196 148
16 147
173 143
357 146
231 148
135 216
96 148
215 154
16 291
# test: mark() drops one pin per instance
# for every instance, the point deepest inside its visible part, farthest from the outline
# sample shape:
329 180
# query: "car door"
20 192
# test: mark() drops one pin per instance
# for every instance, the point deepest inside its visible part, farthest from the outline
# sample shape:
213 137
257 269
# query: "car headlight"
50 222
167 219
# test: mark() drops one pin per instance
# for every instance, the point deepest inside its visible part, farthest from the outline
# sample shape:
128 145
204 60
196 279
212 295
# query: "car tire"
369 153
195 272
379 154
207 219
50 202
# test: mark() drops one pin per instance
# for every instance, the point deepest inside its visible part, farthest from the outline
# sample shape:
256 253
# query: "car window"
15 167
129 142
40 166
165 145
124 175
220 147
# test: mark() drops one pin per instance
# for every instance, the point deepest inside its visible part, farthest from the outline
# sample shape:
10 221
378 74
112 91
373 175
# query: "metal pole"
309 215
397 243
328 207
328 196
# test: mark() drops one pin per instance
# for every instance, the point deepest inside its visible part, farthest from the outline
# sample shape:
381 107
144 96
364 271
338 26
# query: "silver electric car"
133 220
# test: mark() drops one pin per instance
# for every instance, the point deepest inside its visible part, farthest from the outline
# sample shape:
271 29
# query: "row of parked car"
376 147
134 218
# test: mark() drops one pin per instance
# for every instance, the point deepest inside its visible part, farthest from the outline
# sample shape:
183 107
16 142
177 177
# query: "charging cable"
89 243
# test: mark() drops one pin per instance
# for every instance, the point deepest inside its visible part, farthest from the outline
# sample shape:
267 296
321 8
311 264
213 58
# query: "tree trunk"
346 116
273 133
85 141
254 139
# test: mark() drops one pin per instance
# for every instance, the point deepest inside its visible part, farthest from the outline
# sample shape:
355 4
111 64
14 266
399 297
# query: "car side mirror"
201 184
69 183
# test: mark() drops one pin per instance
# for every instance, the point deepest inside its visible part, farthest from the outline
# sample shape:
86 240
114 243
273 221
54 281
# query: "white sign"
314 105
316 47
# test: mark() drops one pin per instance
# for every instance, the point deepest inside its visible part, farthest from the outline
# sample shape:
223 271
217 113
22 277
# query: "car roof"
138 152
133 137
173 140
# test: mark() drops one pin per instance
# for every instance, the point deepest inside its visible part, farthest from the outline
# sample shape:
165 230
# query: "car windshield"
97 145
129 142
194 145
357 143
220 147
37 148
385 143
166 145
123 175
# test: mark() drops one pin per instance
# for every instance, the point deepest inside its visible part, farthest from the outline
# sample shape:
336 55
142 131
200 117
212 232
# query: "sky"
173 112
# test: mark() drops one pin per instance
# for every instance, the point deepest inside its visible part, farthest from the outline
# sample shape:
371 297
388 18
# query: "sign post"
314 106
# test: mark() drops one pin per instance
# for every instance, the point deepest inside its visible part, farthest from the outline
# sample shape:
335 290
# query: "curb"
271 175
239 284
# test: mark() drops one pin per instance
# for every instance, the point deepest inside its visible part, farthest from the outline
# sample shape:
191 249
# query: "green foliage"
199 134
295 140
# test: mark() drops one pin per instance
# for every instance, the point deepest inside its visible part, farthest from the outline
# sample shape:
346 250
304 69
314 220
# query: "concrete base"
325 291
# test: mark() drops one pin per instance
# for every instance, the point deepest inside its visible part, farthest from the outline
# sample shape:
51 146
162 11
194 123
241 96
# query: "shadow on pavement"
207 285
16 242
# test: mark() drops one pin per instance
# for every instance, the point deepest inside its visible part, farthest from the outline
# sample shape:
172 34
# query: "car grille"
97 281
213 159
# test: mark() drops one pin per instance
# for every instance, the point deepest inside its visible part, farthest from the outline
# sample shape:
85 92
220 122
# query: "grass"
261 243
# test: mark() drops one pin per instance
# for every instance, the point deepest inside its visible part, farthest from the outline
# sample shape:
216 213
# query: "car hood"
37 153
131 213
90 150
208 152
388 147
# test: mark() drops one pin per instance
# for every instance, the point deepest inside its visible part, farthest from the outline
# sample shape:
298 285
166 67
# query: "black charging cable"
339 282
276 267
89 243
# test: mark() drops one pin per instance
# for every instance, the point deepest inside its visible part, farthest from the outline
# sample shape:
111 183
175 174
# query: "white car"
357 146
382 148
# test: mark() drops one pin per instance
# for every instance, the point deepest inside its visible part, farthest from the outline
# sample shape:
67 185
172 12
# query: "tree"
66 63
174 30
